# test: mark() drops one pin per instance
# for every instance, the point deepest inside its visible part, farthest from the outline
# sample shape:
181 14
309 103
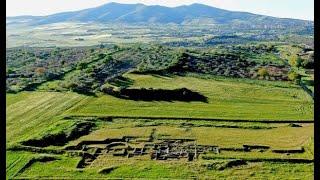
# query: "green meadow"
33 115
228 99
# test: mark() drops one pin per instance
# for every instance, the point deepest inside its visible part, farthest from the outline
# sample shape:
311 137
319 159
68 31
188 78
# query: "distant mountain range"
140 13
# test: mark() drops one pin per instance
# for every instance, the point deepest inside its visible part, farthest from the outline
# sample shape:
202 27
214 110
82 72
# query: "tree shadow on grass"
183 94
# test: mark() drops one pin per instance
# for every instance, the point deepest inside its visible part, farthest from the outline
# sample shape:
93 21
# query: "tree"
309 62
263 72
270 48
295 61
89 70
293 76
40 71
101 55
116 47
102 46
107 59
81 65
10 71
70 85
63 62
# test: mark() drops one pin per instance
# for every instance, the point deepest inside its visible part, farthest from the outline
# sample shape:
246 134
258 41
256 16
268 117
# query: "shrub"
295 61
52 76
81 65
40 71
102 46
293 76
101 55
107 59
70 84
263 72
10 71
63 62
308 64
89 70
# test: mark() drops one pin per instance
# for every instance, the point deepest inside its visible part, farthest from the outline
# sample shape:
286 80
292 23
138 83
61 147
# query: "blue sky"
300 9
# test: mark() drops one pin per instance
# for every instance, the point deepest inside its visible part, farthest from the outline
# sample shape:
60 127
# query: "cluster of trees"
157 58
30 66
92 67
91 77
304 60
297 61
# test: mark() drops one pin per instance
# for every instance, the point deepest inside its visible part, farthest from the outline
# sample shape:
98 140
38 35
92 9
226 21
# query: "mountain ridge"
140 13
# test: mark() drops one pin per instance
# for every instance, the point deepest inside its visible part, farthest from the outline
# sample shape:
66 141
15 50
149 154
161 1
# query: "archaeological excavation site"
105 144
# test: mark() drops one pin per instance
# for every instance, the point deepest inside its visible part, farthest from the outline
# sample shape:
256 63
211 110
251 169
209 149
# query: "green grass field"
228 99
30 113
33 114
280 136
173 170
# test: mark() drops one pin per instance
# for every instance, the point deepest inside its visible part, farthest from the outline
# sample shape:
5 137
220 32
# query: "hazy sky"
300 9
